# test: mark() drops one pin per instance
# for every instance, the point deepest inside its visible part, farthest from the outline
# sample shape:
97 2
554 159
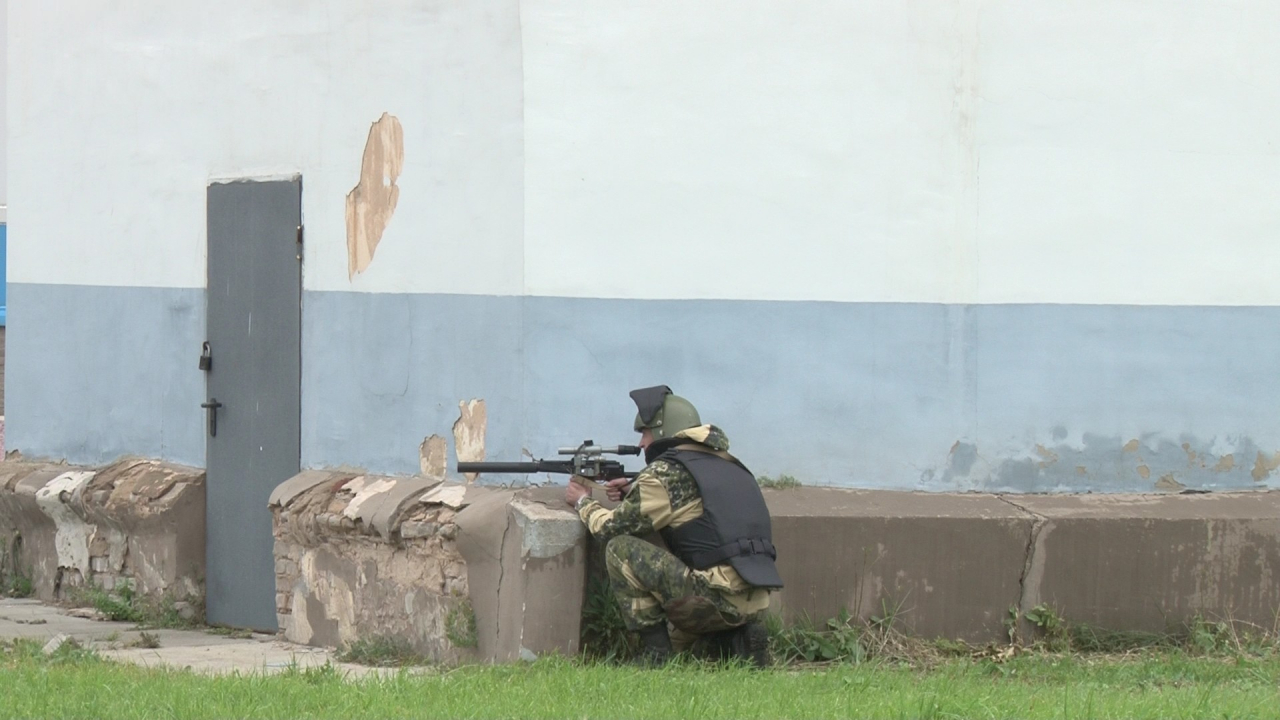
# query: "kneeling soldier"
714 582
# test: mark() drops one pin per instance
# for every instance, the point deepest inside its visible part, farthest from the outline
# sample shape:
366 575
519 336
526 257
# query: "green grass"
75 684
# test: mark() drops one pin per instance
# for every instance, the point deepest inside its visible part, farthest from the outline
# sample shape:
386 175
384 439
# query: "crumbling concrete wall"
459 572
360 556
135 521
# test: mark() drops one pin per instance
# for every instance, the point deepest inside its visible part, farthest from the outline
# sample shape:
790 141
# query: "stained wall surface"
938 245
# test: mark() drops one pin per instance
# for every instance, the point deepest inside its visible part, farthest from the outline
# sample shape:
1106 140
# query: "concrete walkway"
197 650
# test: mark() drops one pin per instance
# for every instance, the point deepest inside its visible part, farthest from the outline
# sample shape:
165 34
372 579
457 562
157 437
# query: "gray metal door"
253 408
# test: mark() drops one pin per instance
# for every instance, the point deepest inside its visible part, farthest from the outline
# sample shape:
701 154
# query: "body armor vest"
734 526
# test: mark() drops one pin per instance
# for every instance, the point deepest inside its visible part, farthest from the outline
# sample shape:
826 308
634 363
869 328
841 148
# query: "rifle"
587 462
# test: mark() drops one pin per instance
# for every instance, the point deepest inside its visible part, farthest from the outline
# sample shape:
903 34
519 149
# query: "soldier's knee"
618 552
621 546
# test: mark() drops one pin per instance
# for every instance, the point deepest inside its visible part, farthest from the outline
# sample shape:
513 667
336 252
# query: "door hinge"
298 247
299 234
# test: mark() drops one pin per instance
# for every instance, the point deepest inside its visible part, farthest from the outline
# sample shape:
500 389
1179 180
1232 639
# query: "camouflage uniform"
651 584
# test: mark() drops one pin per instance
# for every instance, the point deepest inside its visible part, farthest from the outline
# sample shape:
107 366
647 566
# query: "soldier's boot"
750 642
655 646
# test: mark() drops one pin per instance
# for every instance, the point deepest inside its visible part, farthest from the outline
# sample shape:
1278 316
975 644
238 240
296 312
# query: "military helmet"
663 412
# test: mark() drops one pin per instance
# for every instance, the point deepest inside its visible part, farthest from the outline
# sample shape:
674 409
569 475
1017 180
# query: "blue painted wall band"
1019 398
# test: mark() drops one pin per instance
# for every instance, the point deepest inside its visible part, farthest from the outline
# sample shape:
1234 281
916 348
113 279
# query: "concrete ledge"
1140 562
135 521
944 565
953 565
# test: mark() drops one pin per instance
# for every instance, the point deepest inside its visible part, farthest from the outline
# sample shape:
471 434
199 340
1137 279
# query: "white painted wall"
939 151
122 113
1130 152
4 115
776 150
950 151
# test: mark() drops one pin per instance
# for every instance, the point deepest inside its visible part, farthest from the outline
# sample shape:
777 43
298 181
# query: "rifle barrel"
498 467
524 468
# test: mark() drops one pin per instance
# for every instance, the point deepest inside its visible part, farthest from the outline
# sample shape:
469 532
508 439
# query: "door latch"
206 357
212 406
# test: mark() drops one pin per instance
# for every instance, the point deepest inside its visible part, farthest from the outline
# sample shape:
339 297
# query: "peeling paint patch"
364 491
1169 482
1047 456
454 496
433 457
300 631
372 202
961 458
1191 454
468 433
323 608
1110 466
72 533
1265 466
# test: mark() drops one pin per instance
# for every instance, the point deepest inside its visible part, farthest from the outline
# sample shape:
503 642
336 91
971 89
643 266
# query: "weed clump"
146 640
604 633
124 604
782 482
838 640
849 640
460 625
233 633
14 580
1196 636
381 651
18 586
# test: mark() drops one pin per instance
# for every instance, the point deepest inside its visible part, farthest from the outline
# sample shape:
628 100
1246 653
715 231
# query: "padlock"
206 358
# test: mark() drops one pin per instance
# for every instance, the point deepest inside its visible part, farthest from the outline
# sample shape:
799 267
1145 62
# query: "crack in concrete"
1023 508
1033 539
502 569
